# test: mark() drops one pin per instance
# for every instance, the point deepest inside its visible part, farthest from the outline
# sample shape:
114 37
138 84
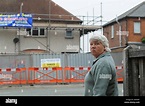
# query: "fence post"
142 76
125 66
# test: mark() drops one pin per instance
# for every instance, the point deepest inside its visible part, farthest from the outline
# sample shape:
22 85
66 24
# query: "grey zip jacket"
101 80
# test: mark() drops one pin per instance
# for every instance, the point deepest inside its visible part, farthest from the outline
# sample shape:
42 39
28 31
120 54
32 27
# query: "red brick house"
128 28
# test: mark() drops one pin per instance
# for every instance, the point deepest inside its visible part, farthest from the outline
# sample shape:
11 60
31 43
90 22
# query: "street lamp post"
19 28
48 38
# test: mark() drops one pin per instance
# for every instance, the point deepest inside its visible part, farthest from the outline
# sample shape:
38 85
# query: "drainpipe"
119 31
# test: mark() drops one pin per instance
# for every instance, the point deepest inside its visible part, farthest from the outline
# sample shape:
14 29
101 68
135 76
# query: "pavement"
47 90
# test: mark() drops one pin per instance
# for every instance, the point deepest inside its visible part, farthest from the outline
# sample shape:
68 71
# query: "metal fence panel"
15 61
30 61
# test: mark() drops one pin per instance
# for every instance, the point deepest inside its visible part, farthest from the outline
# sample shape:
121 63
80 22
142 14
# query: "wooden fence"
134 71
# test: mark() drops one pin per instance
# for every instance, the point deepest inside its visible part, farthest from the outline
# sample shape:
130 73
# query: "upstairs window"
69 34
36 32
137 27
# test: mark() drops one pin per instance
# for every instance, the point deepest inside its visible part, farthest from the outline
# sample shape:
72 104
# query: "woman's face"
96 48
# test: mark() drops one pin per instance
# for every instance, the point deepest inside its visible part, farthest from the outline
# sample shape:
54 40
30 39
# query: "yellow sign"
46 63
51 65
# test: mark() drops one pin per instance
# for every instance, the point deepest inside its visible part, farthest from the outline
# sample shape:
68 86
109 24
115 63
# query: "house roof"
137 11
40 9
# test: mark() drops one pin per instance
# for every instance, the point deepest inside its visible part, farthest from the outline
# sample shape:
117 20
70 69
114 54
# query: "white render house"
54 30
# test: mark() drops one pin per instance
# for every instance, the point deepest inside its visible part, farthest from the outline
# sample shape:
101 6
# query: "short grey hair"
102 39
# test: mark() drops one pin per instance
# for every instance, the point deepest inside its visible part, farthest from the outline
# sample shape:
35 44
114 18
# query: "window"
37 32
69 34
136 27
112 31
42 31
28 31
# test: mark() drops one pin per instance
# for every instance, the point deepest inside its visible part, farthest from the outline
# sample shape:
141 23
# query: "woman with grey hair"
101 80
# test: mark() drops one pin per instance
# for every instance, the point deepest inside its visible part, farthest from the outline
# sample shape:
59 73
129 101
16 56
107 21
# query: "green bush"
143 40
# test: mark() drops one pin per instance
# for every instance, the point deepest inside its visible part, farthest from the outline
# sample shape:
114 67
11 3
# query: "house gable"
137 11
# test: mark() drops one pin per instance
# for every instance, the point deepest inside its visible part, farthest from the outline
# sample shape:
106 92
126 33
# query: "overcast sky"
109 9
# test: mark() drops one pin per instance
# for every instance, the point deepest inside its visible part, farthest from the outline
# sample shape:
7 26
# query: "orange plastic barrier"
13 76
119 73
38 75
75 74
45 75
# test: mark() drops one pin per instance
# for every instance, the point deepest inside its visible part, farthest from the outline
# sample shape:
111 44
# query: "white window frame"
30 32
112 31
69 34
137 27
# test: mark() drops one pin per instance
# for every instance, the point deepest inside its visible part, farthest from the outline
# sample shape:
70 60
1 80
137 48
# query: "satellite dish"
16 40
